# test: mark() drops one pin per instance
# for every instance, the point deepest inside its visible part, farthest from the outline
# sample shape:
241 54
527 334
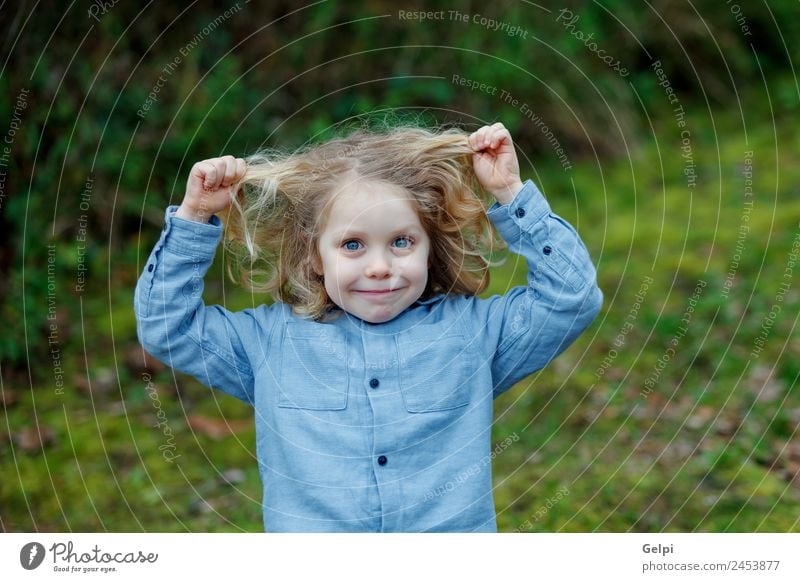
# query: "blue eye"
352 245
402 242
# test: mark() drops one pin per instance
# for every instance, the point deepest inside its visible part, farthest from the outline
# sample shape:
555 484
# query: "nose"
378 266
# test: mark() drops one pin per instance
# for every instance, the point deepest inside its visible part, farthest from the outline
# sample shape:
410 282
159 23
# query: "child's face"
374 251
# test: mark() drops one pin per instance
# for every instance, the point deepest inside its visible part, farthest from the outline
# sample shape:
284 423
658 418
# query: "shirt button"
547 250
374 383
520 212
150 268
382 460
165 227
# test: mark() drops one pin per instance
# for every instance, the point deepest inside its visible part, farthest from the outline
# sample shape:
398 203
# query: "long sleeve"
530 325
175 326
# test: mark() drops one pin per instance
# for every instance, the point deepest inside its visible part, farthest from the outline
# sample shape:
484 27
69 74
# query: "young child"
373 374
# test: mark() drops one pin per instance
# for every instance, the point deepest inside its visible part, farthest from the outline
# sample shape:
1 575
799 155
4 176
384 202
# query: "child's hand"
210 187
495 162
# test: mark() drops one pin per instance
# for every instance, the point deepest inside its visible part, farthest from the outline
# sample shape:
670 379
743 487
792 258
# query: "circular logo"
31 555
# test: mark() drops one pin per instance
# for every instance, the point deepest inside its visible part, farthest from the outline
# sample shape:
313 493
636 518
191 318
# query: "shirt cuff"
189 237
521 214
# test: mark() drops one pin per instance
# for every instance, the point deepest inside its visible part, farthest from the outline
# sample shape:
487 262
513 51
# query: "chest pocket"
434 379
313 368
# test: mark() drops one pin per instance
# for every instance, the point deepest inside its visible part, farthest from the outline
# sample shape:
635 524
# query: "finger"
241 168
221 164
499 137
230 171
475 140
481 141
486 132
202 174
214 175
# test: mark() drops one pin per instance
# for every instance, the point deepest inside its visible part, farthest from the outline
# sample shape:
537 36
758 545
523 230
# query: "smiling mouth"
377 292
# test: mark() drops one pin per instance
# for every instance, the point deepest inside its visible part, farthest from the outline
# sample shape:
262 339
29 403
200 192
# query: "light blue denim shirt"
373 427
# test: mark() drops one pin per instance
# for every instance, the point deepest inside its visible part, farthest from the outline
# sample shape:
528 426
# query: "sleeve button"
519 212
547 250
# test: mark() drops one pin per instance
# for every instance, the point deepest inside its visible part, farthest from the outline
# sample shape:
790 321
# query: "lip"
377 291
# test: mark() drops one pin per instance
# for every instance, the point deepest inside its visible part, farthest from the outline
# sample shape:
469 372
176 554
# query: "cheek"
340 270
416 268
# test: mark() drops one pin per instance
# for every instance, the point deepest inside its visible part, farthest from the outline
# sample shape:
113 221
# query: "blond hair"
272 228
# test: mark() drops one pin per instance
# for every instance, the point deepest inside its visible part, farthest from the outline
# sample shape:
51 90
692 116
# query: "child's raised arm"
210 343
529 326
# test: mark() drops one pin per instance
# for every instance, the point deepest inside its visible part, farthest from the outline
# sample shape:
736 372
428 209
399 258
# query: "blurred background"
665 131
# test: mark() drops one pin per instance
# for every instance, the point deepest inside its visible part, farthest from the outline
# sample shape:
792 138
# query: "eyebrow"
355 233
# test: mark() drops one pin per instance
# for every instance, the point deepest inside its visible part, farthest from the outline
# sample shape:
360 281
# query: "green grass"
710 449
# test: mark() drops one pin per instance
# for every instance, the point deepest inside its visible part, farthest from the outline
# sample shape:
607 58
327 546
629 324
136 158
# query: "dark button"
165 227
374 383
150 267
520 212
547 250
382 460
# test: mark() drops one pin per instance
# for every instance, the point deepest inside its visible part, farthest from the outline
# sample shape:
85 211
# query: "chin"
379 318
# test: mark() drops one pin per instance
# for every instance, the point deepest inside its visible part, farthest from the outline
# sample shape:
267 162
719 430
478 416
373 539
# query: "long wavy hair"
272 227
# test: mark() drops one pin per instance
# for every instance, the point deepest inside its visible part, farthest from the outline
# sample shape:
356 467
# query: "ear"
313 251
316 264
315 260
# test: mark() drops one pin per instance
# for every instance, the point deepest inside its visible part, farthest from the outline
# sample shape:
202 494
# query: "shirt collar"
430 300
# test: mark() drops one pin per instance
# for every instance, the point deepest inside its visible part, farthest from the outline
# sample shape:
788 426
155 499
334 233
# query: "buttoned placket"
380 380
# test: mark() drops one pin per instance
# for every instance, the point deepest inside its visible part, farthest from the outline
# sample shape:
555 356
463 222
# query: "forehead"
369 202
